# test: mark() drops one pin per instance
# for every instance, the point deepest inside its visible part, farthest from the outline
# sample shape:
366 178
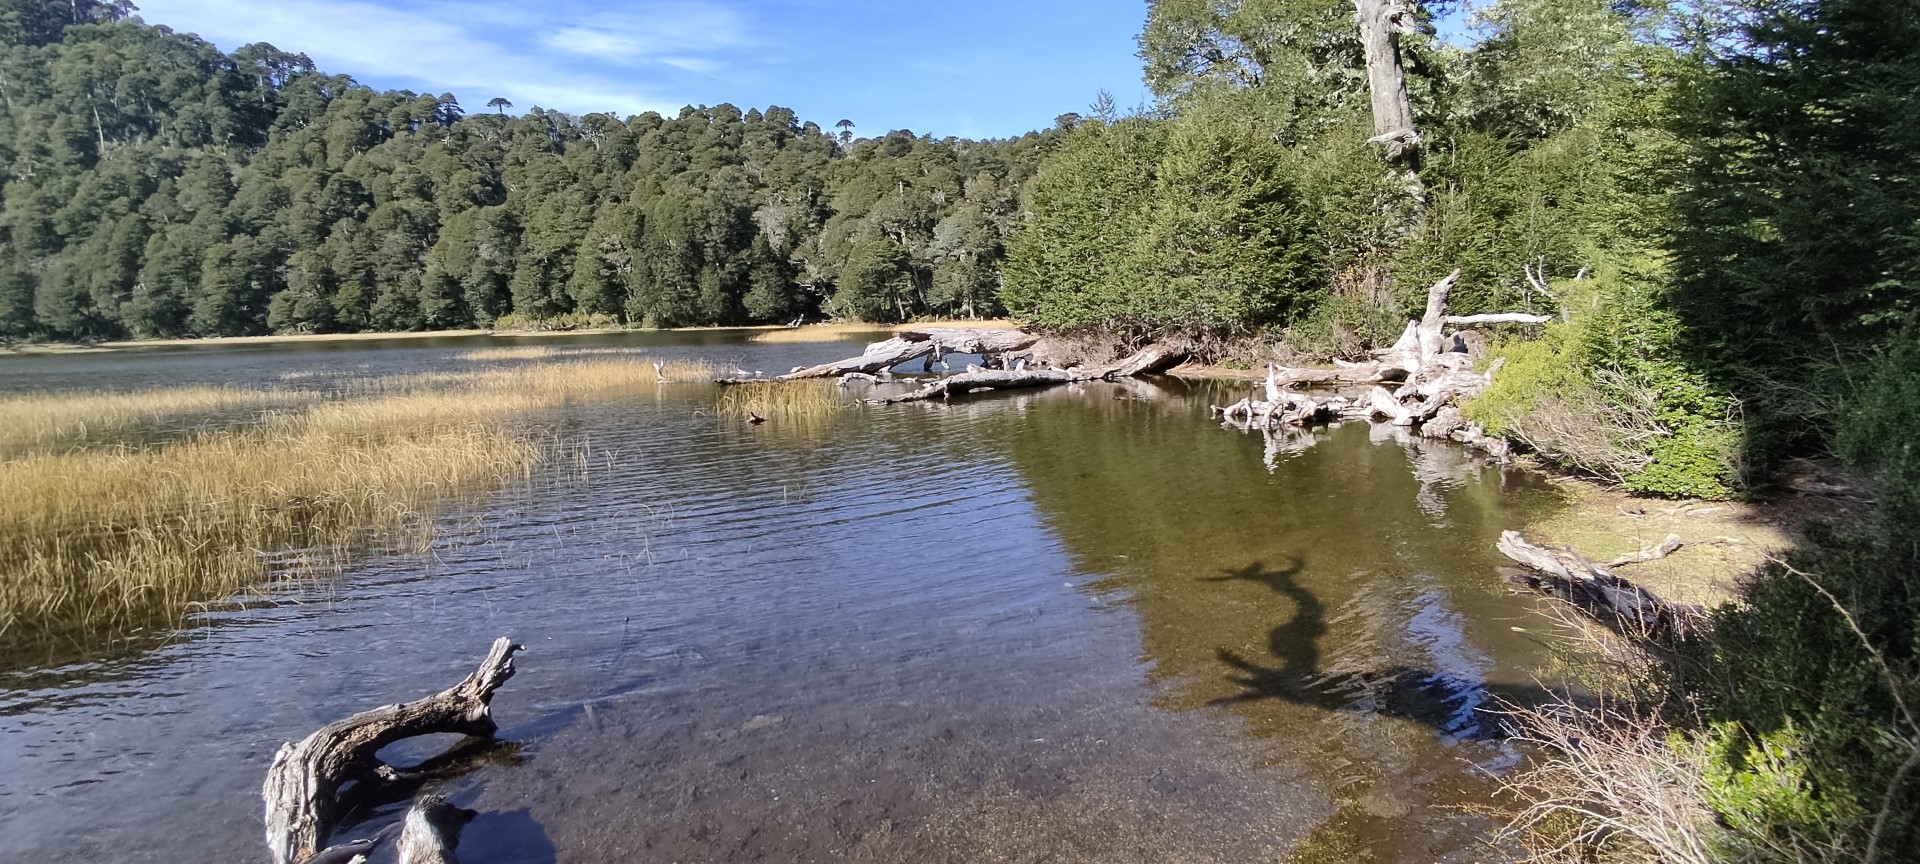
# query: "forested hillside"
155 186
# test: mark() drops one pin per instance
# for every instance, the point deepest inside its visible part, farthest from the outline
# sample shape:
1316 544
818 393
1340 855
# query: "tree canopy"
155 186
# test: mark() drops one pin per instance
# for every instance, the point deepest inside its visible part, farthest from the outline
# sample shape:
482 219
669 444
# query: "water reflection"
1082 624
1340 600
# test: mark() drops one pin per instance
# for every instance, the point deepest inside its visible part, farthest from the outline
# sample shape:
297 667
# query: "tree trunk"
1150 360
1381 22
915 344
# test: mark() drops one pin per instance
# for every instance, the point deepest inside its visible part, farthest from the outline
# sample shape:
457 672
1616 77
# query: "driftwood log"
930 344
431 832
303 788
1416 382
1594 589
1149 360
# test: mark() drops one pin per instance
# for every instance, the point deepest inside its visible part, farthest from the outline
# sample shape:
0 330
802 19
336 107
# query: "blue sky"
971 69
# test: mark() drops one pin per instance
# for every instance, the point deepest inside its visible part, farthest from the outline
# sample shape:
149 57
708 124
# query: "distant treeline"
155 186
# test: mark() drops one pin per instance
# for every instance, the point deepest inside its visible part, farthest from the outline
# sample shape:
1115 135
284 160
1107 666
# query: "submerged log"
908 345
1591 587
302 790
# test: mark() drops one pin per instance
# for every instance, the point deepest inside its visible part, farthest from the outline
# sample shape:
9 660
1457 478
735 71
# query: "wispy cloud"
482 49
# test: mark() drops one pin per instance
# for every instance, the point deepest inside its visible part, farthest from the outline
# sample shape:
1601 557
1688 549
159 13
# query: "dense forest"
1718 201
157 187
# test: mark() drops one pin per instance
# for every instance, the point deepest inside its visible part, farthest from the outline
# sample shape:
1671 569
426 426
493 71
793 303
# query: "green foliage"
1195 224
155 186
1758 784
1607 391
1800 246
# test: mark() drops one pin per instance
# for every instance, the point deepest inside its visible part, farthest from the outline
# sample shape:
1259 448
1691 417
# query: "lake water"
1085 624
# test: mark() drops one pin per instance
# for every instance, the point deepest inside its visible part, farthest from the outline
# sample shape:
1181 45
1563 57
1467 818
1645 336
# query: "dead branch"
1151 359
1650 553
1563 573
432 832
302 790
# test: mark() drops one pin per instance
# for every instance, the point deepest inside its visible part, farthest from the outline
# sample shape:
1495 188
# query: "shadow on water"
1455 706
510 837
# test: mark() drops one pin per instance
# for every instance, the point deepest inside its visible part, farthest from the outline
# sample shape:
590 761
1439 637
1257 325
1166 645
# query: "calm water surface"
1078 625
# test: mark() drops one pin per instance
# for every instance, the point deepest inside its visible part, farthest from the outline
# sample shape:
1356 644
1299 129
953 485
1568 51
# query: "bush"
1826 650
562 321
1605 392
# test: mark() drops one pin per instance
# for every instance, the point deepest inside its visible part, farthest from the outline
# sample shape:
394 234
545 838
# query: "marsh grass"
604 365
851 332
93 543
45 422
517 352
781 400
98 540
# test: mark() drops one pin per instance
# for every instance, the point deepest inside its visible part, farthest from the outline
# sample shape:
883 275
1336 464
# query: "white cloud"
478 49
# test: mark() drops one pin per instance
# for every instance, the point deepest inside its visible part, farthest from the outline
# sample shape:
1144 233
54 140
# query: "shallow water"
1084 624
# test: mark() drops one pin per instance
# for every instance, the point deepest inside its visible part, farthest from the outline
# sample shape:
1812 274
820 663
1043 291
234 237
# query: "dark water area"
1081 624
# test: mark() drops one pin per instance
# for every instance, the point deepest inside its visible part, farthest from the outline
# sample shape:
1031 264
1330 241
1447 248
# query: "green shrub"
562 321
1826 645
1605 391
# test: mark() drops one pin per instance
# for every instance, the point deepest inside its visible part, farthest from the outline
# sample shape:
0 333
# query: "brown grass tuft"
781 400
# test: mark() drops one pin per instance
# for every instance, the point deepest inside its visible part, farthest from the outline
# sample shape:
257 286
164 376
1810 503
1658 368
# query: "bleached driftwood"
1416 382
1659 550
1151 359
302 790
431 832
908 345
987 379
1563 573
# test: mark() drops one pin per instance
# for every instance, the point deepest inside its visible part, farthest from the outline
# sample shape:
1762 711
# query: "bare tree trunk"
1381 22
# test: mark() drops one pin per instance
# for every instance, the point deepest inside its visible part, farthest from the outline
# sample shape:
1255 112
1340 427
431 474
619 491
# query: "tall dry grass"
93 543
43 422
780 400
99 540
818 333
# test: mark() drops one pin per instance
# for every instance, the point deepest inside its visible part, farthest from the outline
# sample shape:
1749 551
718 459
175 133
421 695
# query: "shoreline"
31 348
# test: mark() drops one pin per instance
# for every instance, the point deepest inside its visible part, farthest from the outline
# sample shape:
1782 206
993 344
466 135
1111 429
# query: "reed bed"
43 422
518 352
671 370
781 400
98 541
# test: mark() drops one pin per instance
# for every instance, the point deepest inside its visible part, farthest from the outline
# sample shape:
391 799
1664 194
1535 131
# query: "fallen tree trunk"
302 790
908 345
1591 587
1151 359
986 379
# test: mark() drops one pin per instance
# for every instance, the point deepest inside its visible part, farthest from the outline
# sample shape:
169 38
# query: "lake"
1079 624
